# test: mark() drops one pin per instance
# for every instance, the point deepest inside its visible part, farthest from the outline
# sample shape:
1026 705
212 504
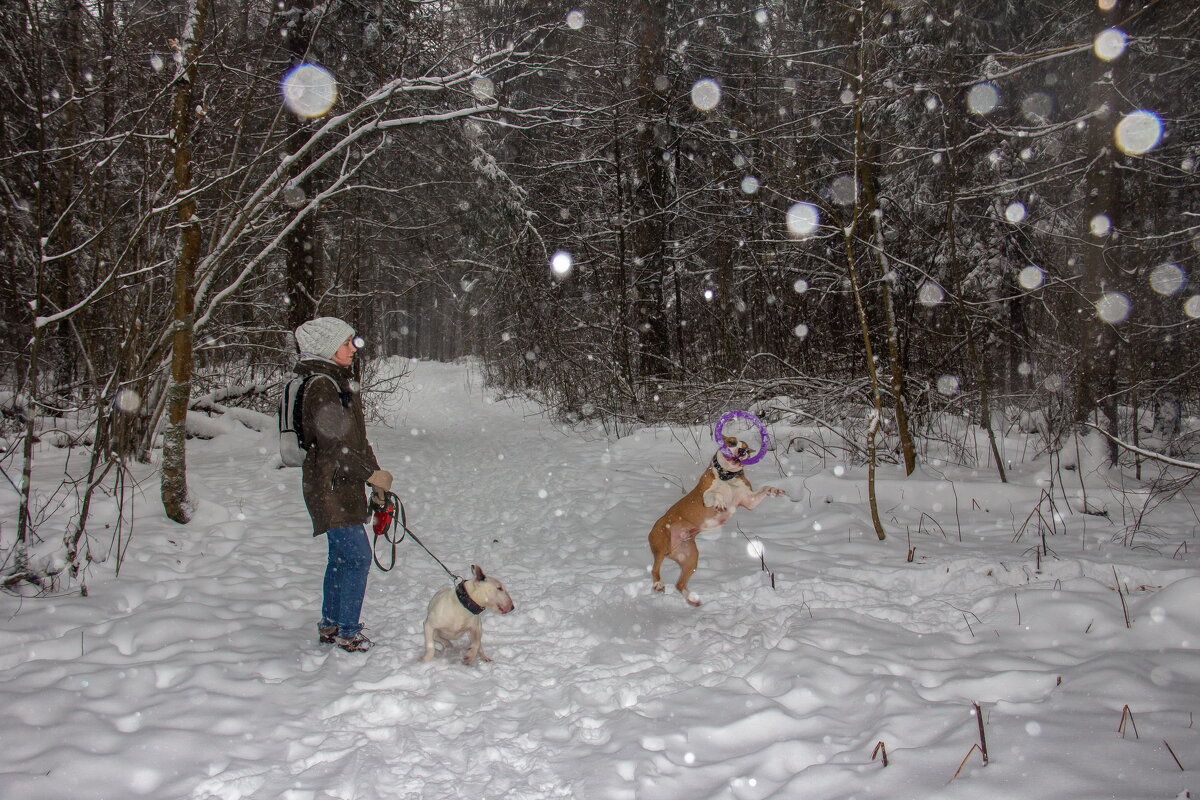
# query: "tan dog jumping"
722 489
453 612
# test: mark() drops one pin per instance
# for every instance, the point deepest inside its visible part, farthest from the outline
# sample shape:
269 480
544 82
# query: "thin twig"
982 738
757 544
1121 594
881 749
1126 713
1169 750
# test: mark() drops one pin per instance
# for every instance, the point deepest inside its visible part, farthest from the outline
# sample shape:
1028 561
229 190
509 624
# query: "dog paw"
692 599
774 491
658 587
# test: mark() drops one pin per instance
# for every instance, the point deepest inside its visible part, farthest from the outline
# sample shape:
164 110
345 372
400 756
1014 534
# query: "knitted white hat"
323 336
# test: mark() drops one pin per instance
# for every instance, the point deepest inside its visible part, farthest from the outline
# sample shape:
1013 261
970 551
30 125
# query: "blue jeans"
345 578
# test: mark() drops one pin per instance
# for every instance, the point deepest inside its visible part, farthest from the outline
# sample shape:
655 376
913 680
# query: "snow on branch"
1175 462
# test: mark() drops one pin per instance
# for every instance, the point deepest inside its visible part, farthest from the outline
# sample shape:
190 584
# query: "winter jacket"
339 458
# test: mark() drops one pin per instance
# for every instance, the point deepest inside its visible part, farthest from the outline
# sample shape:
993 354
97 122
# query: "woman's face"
345 353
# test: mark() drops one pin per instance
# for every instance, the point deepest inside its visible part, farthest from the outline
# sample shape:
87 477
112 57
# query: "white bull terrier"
453 612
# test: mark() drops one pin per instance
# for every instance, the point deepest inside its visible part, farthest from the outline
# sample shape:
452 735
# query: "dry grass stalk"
1169 750
881 750
974 747
1124 605
1127 714
982 738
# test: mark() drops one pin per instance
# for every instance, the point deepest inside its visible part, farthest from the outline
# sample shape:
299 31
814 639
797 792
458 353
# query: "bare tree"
176 501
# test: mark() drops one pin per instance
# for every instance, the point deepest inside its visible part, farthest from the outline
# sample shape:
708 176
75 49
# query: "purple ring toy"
729 416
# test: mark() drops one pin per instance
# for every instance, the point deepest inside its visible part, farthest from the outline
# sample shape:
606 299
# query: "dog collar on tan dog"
722 473
465 599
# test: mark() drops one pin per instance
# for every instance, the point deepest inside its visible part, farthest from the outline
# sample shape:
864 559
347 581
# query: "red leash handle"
383 519
384 513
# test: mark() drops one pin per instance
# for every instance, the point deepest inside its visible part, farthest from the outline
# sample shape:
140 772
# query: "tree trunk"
304 247
29 375
650 194
1096 382
620 287
176 501
851 232
872 210
985 406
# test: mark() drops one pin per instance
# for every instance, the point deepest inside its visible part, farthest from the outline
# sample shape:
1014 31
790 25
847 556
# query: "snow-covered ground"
197 674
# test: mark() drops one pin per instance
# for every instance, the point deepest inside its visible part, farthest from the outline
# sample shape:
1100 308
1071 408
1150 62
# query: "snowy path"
197 675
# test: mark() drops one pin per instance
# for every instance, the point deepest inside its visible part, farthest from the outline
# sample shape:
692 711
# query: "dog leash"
391 517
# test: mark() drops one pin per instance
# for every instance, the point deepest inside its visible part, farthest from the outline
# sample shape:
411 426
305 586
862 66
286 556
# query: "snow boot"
358 643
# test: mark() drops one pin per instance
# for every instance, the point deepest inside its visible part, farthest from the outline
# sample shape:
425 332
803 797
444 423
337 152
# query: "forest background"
869 214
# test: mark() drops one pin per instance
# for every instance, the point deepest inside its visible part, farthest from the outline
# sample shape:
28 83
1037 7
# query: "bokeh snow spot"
803 219
1113 308
1138 132
843 190
930 294
1167 279
1015 212
561 263
947 385
1031 277
1109 44
983 98
309 90
1037 108
127 401
483 89
294 197
706 94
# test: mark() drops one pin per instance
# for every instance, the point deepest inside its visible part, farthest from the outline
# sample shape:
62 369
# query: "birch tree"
176 501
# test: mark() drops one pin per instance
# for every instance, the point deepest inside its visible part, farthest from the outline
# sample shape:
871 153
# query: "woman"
338 464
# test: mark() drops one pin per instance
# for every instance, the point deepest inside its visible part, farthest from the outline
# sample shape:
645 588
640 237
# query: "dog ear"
479 576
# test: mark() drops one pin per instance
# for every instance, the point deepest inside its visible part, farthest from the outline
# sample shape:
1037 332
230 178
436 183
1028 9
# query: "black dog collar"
723 473
465 599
